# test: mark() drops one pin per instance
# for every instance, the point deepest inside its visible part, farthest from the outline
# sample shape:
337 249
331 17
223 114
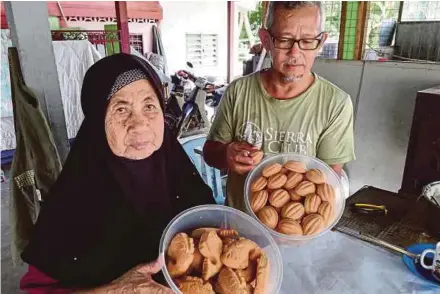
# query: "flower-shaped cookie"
231 282
262 275
236 255
211 247
194 285
180 254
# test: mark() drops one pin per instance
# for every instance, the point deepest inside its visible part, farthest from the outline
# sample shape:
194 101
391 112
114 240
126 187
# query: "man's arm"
220 150
214 154
234 156
221 132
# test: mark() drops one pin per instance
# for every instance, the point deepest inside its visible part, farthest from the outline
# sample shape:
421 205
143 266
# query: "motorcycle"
213 101
192 103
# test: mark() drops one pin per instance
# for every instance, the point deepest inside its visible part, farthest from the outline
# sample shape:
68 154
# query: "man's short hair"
292 5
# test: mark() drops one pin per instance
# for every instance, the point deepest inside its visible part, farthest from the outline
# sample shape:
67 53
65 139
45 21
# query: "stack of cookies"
212 260
293 200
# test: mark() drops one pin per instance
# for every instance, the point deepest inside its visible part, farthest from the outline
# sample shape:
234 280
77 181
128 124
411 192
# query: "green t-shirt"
318 123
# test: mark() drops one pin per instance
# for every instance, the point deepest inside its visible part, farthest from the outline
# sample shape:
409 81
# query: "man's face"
303 23
134 122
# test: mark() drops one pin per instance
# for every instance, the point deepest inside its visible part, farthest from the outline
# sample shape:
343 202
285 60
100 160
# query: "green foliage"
378 12
332 12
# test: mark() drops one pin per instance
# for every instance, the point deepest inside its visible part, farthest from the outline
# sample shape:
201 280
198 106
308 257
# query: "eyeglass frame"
318 38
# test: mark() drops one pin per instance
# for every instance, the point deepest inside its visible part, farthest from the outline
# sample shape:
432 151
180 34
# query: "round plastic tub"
218 216
310 162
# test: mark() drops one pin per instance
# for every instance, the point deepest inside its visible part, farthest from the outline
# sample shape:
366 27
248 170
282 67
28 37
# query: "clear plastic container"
216 216
310 162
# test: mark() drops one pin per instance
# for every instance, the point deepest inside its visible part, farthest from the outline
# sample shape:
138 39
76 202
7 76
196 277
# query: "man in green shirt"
286 108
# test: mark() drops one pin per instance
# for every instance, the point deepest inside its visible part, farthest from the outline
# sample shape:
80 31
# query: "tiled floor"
10 275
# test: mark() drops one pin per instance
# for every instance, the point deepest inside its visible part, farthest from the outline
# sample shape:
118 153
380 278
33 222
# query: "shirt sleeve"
336 143
222 128
36 282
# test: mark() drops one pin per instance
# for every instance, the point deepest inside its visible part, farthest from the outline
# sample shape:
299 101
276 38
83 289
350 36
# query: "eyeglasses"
303 44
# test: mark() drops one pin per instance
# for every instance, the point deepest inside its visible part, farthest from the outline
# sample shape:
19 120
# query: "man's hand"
337 168
238 157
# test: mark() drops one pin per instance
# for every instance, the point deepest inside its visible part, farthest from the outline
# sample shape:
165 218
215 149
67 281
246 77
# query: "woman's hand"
139 280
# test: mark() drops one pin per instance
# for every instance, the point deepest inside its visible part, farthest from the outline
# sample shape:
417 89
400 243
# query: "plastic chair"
193 146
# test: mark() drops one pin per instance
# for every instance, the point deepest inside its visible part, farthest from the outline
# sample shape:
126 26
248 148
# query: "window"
136 41
201 49
421 11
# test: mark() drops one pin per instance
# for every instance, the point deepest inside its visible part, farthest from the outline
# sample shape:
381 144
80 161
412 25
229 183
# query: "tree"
332 23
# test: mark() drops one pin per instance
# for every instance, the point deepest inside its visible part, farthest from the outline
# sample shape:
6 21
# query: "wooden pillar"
342 30
265 6
231 33
63 23
30 34
122 21
361 27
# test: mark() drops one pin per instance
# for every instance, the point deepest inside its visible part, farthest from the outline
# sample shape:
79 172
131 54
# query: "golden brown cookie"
255 254
197 233
227 233
289 227
194 285
293 210
250 272
181 244
259 184
228 241
276 181
210 245
294 197
268 216
262 278
311 204
279 198
180 254
271 170
259 200
295 166
326 211
316 176
231 282
236 255
197 262
257 156
293 179
326 192
181 266
305 188
312 224
210 268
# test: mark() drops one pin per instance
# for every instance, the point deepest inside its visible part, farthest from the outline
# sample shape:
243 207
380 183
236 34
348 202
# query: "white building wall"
194 17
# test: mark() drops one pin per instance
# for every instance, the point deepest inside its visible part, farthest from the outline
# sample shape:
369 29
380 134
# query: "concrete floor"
10 275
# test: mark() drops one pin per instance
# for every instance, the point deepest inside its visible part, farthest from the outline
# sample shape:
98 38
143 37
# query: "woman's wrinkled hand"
139 280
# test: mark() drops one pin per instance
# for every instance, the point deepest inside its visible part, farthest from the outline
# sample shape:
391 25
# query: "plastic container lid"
219 216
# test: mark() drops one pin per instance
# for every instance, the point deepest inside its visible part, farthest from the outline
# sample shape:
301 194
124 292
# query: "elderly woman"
125 178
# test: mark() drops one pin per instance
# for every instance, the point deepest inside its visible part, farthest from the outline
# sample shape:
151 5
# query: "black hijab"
106 214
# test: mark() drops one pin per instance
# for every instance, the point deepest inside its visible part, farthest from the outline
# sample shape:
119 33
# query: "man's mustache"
292 61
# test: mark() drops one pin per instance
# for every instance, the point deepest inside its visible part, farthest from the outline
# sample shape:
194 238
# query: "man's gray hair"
293 5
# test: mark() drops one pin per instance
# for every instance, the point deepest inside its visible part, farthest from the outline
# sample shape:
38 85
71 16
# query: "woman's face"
134 122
